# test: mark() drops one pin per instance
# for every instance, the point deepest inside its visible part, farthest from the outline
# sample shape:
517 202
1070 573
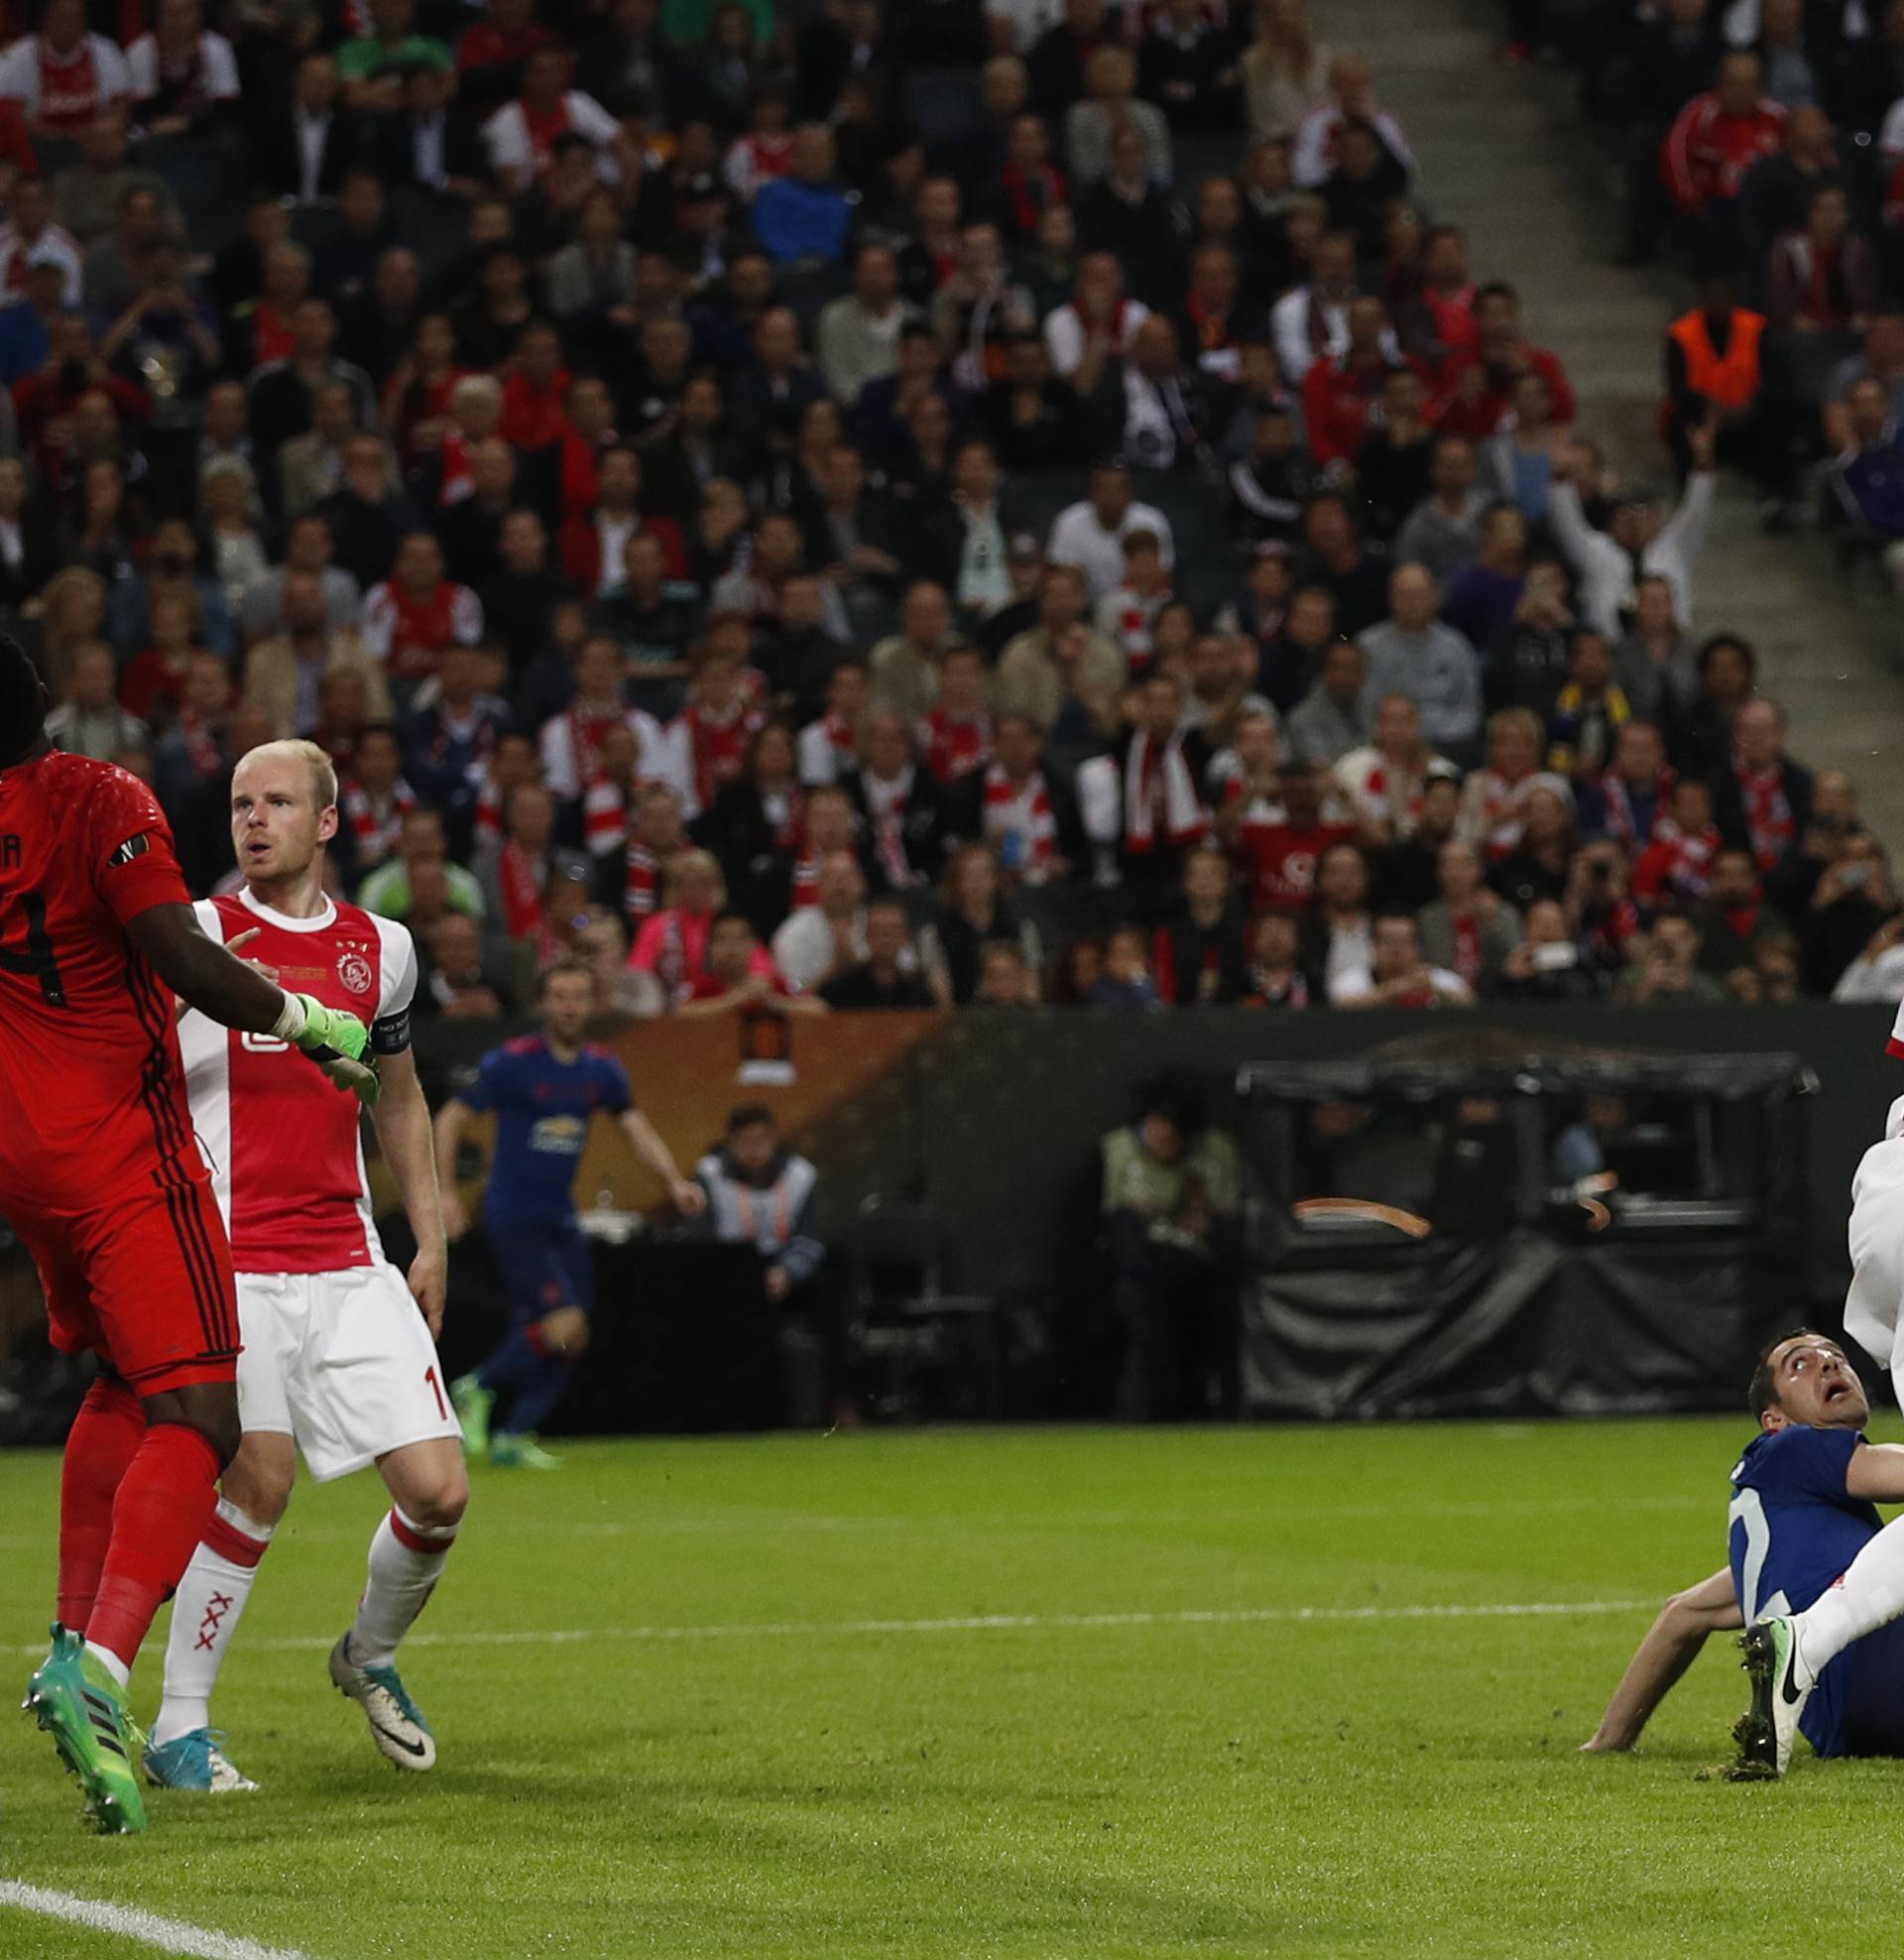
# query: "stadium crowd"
953 501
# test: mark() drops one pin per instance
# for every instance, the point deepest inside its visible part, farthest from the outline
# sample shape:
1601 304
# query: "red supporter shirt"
1281 860
91 1090
286 1163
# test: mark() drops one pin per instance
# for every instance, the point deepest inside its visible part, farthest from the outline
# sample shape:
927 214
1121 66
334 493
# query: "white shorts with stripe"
341 1362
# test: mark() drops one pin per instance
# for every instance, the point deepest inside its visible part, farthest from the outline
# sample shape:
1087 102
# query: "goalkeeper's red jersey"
91 1089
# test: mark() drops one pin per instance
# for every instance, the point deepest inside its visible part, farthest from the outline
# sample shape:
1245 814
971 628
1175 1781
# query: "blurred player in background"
338 1359
544 1090
1802 1534
102 1181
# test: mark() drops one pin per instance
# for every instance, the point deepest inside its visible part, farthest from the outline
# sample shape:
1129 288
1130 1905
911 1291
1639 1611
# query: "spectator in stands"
1541 862
1629 801
1665 967
1733 915
1588 714
1143 802
1481 387
671 942
1383 783
1005 981
1853 897
1714 141
1342 394
1761 797
1334 717
1339 932
1398 975
817 942
881 979
1276 978
1286 72
1198 957
905 814
1490 815
1548 964
1090 535
1413 653
1310 322
1642 538
391 890
1467 929
1318 144
975 914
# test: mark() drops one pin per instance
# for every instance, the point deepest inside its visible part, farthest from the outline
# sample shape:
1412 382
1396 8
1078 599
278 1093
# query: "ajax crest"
353 969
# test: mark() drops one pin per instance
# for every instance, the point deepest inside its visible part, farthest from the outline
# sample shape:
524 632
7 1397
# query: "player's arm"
1671 1644
647 1141
451 1122
401 1120
205 975
1876 1473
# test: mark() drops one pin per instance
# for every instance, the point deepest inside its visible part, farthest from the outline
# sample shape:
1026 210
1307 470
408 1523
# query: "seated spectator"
904 815
657 836
1714 141
1541 862
1165 413
1878 973
376 802
1333 718
1095 326
1413 653
1059 670
1408 873
1588 713
1547 964
1823 278
1732 914
534 889
1143 802
671 942
1132 214
1033 422
1339 930
740 978
881 979
413 614
570 742
1310 323
1467 929
391 890
801 218
1665 967
1517 463
715 730
1398 975
1481 597
1442 532
1342 394
522 135
1222 669
1198 957
1274 975
1090 534
829 747
906 665
1111 104
63 76
1490 815
1852 899
955 738
1628 799
1125 980
455 984
1676 868
1269 487
816 942
1395 464
1653 661
857 337
1761 797
975 914
1335 557
1383 783
1642 538
1479 391
1125 615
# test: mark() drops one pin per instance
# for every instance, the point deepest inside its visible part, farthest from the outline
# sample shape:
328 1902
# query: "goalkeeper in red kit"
102 1179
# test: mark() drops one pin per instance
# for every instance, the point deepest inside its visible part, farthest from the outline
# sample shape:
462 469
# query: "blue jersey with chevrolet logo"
543 1107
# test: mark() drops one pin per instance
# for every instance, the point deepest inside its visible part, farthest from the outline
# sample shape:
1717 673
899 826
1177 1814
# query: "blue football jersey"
1793 1529
543 1108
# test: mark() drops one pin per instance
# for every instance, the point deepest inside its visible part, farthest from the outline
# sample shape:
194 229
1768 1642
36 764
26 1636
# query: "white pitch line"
975 1623
129 1922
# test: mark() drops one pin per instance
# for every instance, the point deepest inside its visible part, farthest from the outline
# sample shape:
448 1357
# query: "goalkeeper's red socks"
165 1504
104 1439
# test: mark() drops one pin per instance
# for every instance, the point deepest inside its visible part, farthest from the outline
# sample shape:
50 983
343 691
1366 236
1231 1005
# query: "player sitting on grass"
545 1089
339 1358
1814 1575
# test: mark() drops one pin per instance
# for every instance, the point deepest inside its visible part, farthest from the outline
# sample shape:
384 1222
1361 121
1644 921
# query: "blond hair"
324 772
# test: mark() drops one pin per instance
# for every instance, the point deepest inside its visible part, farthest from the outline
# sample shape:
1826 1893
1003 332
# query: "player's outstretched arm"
1876 1473
1670 1646
684 1193
401 1122
449 1135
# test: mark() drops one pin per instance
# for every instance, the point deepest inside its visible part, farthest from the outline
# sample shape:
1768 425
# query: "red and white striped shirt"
409 634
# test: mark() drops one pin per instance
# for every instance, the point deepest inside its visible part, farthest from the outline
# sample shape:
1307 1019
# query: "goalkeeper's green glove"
339 1043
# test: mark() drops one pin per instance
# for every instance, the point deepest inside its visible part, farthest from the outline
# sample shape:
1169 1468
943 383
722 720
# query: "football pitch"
1044 1692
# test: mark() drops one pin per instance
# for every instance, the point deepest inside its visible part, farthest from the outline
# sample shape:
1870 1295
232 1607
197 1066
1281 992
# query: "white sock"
406 1562
1868 1596
110 1661
205 1611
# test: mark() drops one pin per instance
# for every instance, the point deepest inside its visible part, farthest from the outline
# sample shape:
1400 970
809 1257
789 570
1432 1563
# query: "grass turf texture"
1338 1787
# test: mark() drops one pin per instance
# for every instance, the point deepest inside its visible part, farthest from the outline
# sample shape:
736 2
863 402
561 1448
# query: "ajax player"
102 1181
339 1358
545 1089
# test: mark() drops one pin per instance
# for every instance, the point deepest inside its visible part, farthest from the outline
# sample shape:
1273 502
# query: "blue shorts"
1873 1723
544 1268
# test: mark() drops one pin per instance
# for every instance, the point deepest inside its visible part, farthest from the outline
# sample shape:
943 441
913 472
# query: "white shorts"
1873 1304
342 1362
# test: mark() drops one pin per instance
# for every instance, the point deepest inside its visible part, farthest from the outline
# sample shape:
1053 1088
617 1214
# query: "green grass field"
763 1723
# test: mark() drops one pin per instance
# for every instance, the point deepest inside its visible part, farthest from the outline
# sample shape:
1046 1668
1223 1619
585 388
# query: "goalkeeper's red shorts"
144 1281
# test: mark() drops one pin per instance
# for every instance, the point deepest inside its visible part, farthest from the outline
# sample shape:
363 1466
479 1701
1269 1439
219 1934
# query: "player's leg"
370 1389
430 1488
184 1752
272 1315
560 1337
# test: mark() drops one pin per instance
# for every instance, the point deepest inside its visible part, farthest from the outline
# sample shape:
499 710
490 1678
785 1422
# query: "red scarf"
523 915
200 743
1161 797
1621 823
585 733
543 126
956 745
1768 811
1028 195
806 880
1469 957
718 748
603 817
643 890
1678 863
1019 822
1263 992
1136 614
376 836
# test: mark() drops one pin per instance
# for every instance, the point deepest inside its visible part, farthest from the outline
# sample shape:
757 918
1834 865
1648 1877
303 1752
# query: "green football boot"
472 1404
513 1452
74 1698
